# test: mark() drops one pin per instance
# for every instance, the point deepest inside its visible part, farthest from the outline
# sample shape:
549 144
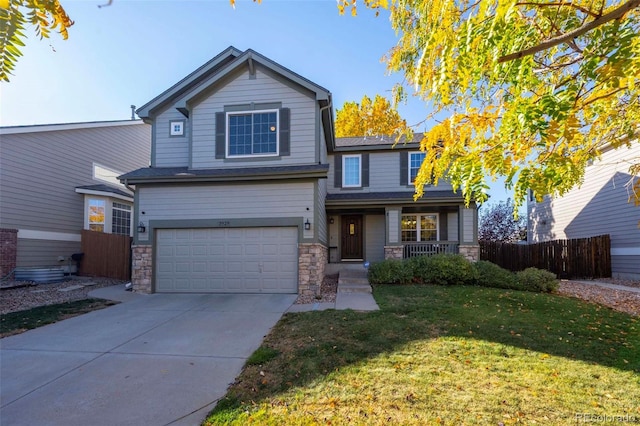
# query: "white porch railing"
429 248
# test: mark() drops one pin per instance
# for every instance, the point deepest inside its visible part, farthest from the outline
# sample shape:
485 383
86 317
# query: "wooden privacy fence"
569 259
106 255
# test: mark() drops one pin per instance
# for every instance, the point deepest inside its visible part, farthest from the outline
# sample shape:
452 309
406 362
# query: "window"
176 128
96 215
415 160
351 172
121 219
253 133
420 227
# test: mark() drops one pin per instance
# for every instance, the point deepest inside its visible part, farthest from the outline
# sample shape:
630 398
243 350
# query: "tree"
44 15
533 90
369 118
498 224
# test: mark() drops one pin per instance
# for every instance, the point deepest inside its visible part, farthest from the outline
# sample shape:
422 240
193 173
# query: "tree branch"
614 14
561 4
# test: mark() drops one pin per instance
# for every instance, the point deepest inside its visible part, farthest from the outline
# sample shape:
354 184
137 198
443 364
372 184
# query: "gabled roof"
378 142
219 67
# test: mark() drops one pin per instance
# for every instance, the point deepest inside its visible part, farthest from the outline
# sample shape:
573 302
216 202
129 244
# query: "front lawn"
443 355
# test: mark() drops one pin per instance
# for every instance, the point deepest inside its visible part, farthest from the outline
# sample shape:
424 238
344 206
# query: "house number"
224 223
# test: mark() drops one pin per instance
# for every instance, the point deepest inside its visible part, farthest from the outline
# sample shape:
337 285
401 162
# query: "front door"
352 237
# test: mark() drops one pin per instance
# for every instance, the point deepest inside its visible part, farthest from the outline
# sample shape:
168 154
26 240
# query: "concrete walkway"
606 285
354 292
161 359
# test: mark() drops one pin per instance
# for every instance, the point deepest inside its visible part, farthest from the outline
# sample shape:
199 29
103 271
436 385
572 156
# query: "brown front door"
352 237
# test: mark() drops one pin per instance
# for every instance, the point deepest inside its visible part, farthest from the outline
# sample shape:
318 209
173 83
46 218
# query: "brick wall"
8 250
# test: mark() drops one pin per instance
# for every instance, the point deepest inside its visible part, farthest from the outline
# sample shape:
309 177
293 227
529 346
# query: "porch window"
415 161
420 227
96 215
121 219
253 134
351 171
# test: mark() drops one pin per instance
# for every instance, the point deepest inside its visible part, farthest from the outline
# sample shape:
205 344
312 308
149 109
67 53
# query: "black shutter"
365 170
285 140
404 168
221 140
337 166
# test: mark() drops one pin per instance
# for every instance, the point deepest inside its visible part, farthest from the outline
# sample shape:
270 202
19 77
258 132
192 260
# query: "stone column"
142 269
8 251
312 261
394 252
471 252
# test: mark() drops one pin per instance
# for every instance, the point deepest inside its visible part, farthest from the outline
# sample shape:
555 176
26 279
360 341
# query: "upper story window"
253 133
351 171
415 161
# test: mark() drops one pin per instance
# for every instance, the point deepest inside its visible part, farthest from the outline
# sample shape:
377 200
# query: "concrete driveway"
153 360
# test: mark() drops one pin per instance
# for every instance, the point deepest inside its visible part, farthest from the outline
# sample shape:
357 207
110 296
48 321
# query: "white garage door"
227 260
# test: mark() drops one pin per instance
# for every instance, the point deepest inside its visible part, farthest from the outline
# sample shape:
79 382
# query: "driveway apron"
154 360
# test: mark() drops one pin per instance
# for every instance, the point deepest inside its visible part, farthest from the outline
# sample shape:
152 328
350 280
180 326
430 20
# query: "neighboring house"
602 204
58 179
250 191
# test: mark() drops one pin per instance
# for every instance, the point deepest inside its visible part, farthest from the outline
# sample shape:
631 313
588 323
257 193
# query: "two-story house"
250 191
58 179
602 204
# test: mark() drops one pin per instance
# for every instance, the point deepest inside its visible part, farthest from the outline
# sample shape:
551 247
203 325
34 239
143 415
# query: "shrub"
492 275
534 279
443 269
390 271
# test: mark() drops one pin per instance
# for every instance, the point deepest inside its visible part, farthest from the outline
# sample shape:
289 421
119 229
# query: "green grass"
443 355
21 321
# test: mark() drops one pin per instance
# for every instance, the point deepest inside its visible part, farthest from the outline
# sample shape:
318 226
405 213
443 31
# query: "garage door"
227 260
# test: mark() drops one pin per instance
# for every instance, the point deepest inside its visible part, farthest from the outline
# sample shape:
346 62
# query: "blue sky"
128 53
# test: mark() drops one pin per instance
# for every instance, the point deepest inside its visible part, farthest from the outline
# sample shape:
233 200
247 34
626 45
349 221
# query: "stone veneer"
142 268
8 250
393 252
312 260
470 252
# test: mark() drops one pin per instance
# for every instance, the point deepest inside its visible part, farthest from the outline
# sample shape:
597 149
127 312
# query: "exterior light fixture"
307 225
331 220
141 227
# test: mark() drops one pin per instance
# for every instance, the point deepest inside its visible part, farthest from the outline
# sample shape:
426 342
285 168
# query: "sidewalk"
606 285
354 292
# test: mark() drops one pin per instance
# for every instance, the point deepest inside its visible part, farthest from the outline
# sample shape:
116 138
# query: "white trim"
625 251
259 111
12 130
107 175
32 234
104 194
359 157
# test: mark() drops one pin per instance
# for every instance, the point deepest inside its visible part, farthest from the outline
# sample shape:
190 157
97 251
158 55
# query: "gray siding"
374 237
170 151
599 206
44 252
262 89
384 174
251 201
468 226
40 170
